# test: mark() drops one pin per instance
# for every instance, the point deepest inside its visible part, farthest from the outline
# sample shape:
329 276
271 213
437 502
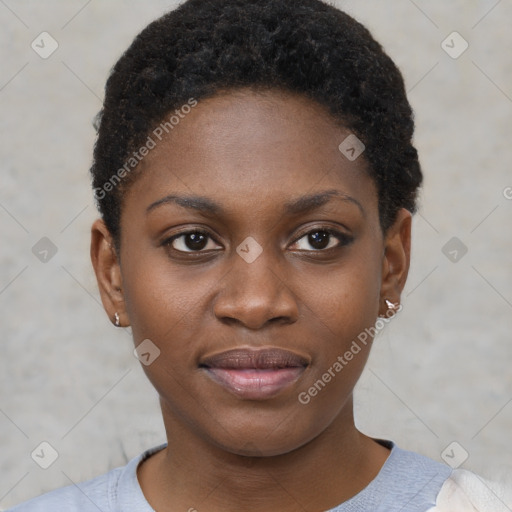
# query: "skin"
252 153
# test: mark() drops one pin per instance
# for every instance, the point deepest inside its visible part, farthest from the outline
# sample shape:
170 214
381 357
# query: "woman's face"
252 257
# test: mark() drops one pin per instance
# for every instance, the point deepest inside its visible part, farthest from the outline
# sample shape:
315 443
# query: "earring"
116 316
390 305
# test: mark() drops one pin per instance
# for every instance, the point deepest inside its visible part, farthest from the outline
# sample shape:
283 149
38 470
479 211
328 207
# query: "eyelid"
343 238
321 227
167 242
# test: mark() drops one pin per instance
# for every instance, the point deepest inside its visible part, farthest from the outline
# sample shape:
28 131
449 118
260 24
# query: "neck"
193 474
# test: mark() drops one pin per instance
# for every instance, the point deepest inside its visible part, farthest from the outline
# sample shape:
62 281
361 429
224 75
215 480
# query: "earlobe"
396 260
105 262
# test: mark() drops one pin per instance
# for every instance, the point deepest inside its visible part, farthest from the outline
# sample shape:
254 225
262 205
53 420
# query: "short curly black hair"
301 46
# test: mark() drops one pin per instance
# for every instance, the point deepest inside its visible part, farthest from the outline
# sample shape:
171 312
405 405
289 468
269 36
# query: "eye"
319 239
191 241
322 239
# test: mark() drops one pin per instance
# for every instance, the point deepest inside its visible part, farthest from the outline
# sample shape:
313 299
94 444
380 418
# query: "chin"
250 439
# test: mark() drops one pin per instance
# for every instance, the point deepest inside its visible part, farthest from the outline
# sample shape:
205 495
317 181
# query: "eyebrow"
301 205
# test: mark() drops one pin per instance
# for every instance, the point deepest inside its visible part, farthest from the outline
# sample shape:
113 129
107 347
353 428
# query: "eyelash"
343 239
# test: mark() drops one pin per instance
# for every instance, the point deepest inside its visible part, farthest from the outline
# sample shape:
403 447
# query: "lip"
255 374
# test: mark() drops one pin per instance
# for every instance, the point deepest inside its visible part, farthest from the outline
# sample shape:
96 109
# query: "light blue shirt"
407 482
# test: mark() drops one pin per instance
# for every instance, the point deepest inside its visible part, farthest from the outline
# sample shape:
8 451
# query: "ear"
396 260
108 272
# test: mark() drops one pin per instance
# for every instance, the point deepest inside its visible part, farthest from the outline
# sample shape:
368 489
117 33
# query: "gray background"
439 373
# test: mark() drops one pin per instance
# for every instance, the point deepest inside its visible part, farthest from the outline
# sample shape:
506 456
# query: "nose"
255 294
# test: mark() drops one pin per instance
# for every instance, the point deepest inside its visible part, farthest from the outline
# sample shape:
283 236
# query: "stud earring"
390 305
116 316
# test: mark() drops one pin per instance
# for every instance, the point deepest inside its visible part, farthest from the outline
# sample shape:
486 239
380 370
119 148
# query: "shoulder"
465 491
415 464
116 490
411 480
92 495
407 481
415 469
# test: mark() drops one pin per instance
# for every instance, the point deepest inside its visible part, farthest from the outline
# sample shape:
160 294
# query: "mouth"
255 374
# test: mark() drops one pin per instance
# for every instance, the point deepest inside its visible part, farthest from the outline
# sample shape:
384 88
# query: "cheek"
161 299
166 305
340 307
347 300
343 300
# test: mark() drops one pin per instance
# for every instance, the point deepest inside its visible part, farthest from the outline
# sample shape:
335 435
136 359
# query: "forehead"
251 148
